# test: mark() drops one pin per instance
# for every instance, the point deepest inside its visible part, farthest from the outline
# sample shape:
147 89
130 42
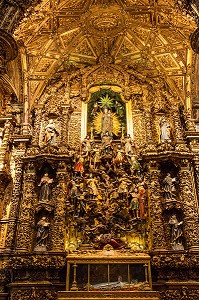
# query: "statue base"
41 248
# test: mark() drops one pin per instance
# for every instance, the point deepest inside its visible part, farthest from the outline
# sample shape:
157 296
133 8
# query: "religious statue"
107 121
45 188
42 234
141 198
86 144
169 187
119 159
92 186
79 167
74 193
96 157
176 233
124 187
135 166
134 204
129 144
106 143
50 133
165 131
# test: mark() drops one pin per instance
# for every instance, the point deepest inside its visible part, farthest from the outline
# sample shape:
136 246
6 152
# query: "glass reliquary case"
108 271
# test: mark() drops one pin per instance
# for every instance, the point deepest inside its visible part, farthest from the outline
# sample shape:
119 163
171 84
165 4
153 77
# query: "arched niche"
115 94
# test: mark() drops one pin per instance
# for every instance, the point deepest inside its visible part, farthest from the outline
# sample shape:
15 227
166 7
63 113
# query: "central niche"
106 115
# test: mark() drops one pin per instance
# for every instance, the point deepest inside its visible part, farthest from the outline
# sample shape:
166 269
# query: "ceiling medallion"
104 21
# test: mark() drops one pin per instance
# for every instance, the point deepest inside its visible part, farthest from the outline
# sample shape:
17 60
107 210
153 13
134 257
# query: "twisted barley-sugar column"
59 222
26 214
155 207
189 205
15 200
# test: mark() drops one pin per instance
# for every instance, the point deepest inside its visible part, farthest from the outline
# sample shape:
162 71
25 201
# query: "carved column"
26 214
16 194
64 124
37 124
59 224
180 143
157 227
189 205
196 172
4 163
149 131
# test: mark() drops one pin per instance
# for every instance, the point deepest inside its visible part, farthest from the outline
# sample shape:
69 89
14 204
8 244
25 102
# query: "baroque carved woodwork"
98 150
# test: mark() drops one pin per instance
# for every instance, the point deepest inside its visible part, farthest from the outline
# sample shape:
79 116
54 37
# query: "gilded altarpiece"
103 186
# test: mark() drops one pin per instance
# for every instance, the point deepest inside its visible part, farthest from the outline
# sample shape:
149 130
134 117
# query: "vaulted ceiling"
151 36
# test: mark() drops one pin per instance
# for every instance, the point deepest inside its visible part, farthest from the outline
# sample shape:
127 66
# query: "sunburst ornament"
106 102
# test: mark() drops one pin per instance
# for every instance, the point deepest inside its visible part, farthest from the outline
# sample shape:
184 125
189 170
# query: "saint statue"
165 131
129 145
50 133
86 144
169 186
42 234
176 233
45 188
107 122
